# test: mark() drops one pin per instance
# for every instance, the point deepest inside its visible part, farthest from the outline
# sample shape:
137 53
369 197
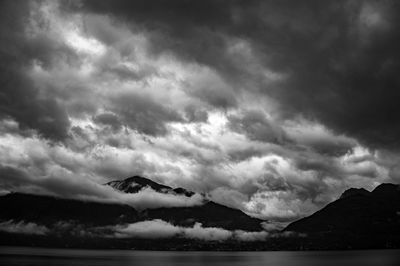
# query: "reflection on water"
11 256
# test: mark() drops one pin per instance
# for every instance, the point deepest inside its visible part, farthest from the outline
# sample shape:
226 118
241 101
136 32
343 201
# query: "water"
11 256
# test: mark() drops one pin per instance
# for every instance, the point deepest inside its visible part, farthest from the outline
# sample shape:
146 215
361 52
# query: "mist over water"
11 256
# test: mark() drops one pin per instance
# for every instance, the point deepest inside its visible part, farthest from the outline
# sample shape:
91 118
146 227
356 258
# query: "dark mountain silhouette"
354 191
210 214
358 219
136 183
46 210
356 212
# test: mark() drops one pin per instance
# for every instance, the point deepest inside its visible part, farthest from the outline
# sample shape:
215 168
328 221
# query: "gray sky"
273 107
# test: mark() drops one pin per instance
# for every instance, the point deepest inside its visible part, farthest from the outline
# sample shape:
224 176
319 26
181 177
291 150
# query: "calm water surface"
11 256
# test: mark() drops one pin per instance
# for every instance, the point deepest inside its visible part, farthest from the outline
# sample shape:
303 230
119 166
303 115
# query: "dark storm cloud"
328 166
257 126
195 114
11 177
243 154
315 137
334 147
19 98
340 57
144 114
195 31
343 72
218 97
108 119
123 72
21 102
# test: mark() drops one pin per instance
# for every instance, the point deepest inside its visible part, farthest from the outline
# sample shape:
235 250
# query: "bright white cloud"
161 229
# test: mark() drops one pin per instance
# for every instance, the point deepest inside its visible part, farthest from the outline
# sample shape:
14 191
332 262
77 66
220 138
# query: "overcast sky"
272 107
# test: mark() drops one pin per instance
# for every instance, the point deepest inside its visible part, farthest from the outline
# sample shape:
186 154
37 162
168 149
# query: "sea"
11 256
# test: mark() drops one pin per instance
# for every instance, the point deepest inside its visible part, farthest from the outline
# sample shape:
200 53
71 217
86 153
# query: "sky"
271 107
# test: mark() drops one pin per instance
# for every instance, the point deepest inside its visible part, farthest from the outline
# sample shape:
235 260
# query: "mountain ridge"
354 192
136 183
357 211
358 219
209 214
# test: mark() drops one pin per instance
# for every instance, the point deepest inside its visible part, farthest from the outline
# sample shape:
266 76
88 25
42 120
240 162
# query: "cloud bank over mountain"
151 229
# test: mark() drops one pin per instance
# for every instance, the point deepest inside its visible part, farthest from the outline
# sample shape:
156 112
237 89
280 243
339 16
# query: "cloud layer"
151 229
23 228
272 107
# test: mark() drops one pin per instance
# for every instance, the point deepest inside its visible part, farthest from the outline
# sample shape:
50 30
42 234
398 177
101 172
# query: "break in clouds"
272 107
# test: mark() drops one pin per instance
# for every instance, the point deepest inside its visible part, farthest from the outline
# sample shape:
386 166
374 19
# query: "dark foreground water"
61 257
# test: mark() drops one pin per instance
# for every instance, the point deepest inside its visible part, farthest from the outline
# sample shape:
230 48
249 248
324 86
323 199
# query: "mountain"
359 219
136 183
210 214
354 191
357 212
47 210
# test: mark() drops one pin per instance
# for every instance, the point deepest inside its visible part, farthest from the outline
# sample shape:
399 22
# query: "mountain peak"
136 183
355 192
386 189
357 211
